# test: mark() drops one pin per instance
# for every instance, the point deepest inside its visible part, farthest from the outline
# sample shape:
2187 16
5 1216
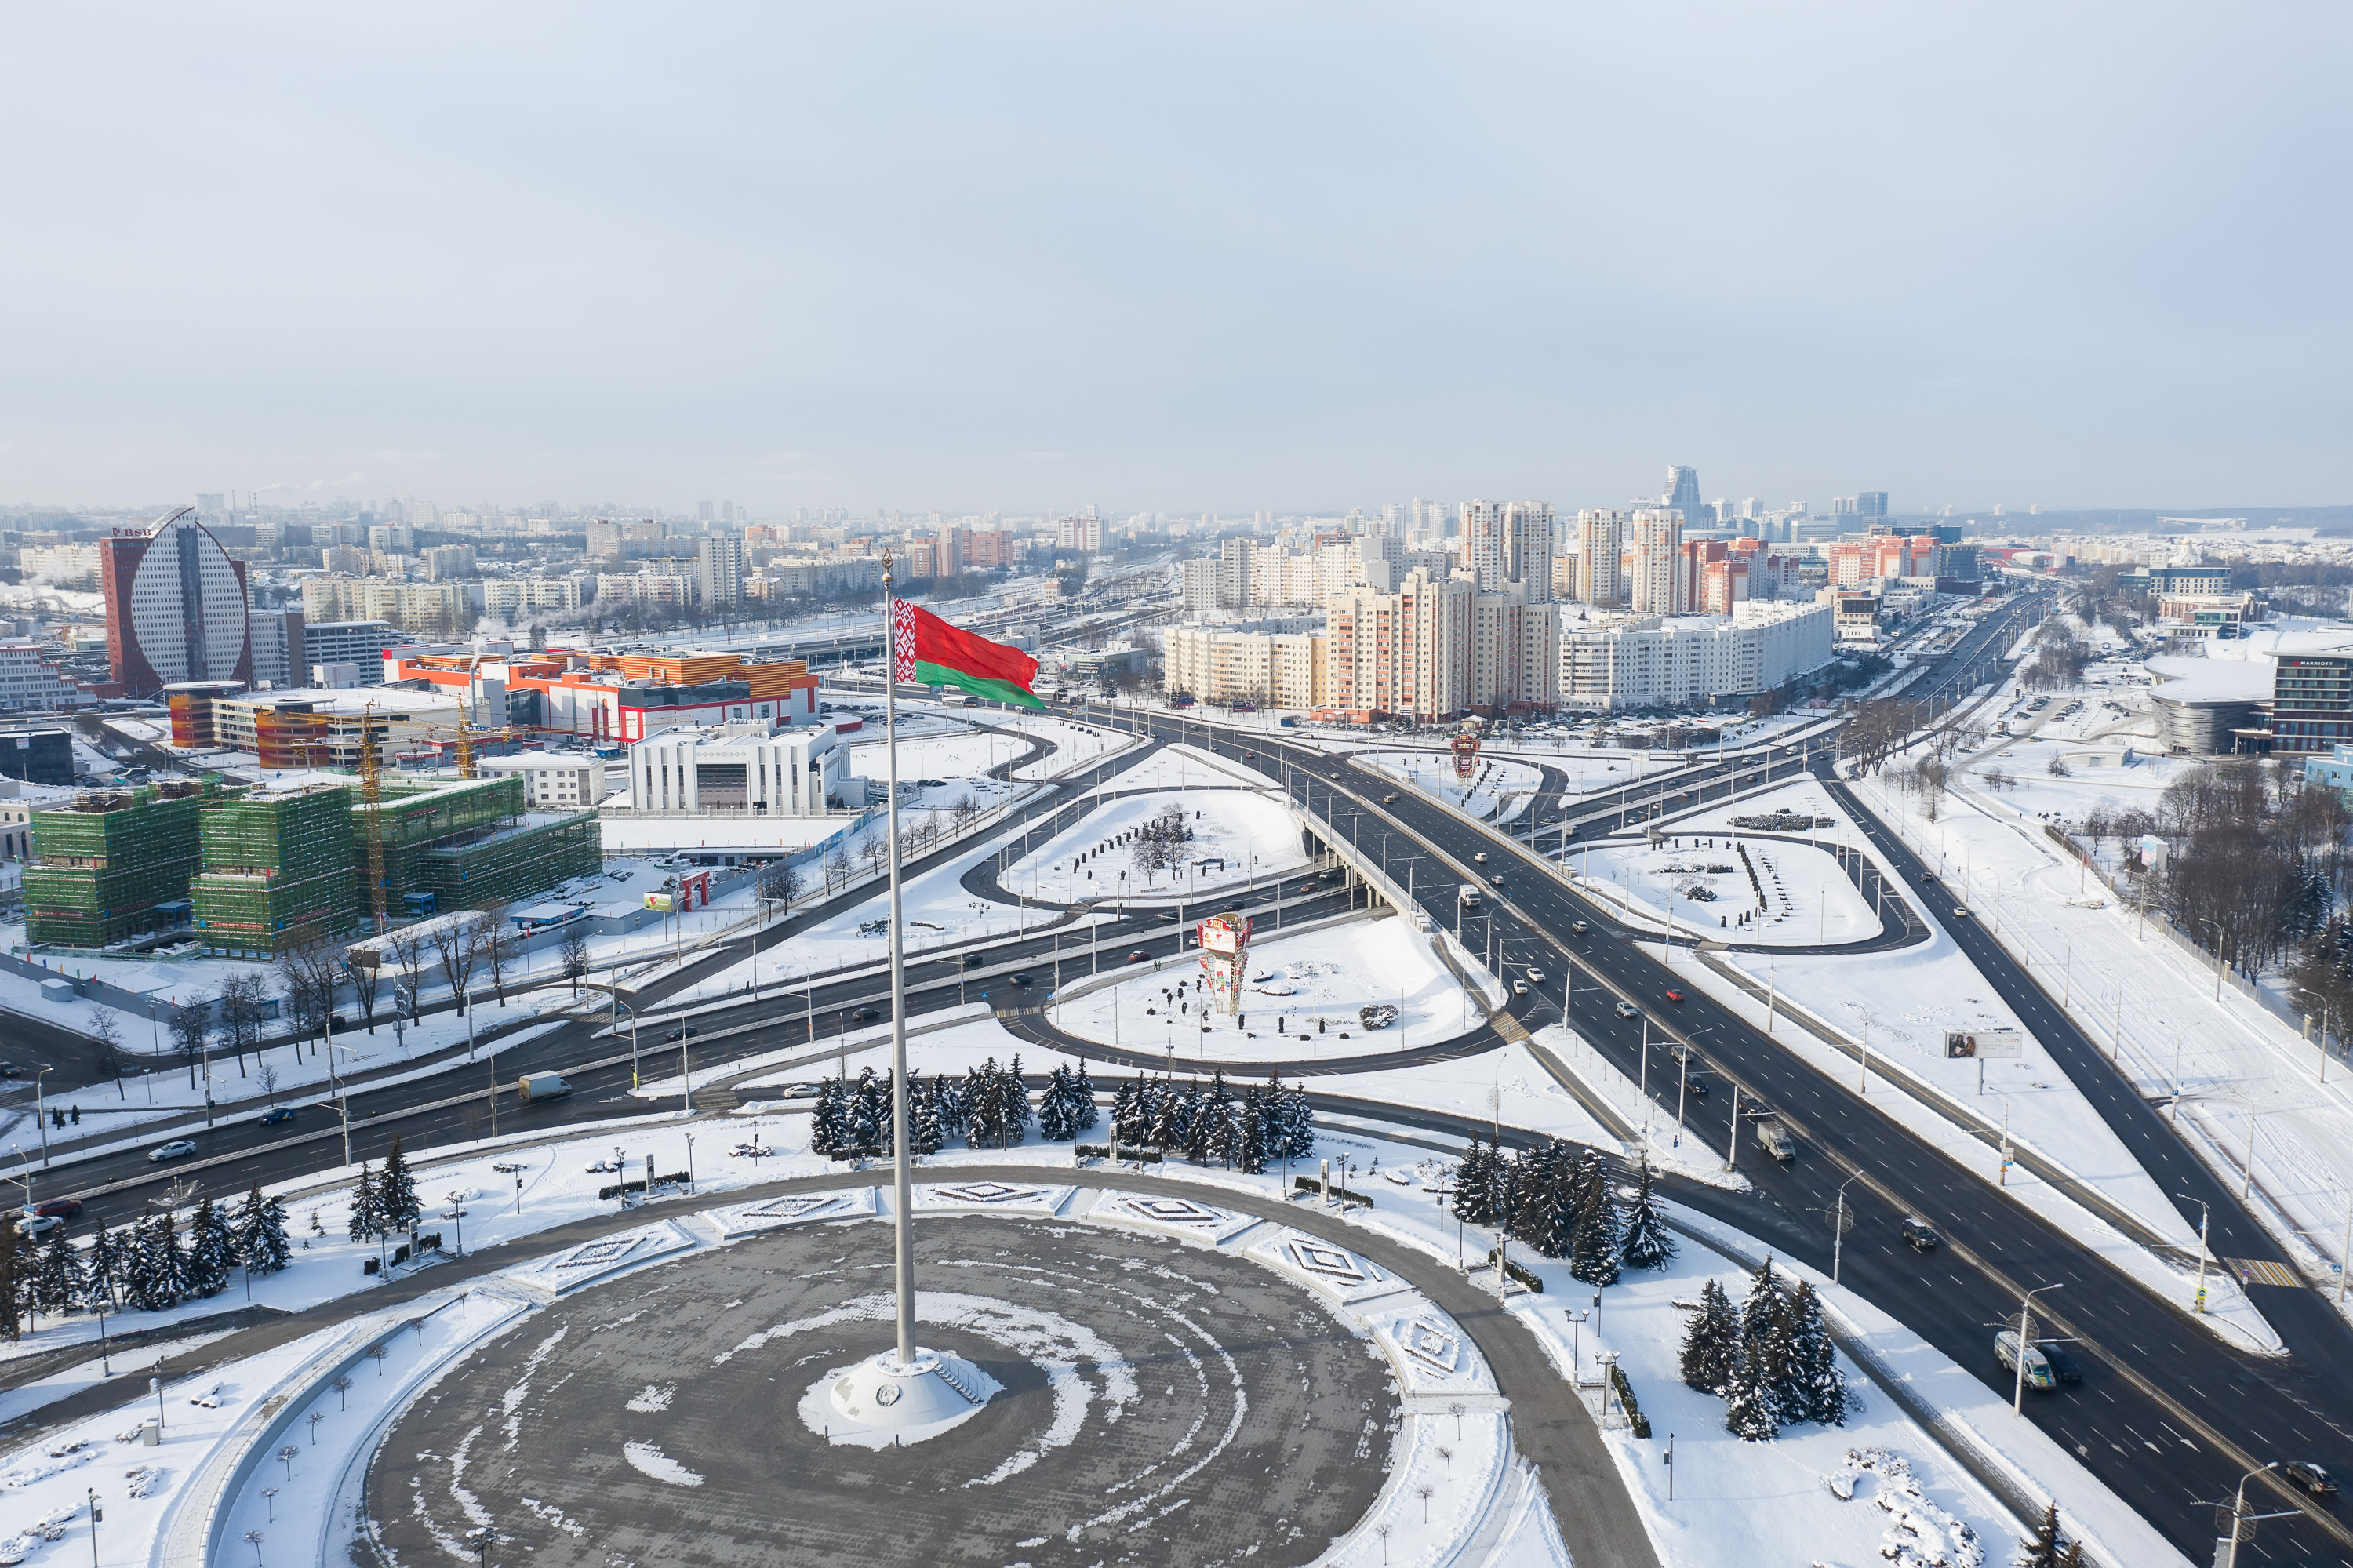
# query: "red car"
1674 996
62 1208
1139 956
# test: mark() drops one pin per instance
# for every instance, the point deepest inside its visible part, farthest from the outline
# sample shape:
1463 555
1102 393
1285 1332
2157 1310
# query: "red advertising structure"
1466 752
1224 941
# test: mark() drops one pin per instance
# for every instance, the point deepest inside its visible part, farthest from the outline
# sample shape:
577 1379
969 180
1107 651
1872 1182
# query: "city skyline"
1220 261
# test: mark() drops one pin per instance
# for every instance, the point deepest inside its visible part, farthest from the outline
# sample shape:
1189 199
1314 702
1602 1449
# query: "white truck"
532 1087
1775 1139
1466 895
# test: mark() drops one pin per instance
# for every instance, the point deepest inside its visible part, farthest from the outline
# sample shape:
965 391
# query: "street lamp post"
2205 1216
2025 1341
1838 1225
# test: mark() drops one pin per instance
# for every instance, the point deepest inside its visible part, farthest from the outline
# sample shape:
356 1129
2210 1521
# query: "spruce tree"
864 1126
923 1113
1747 1404
1763 1340
157 1267
1253 1139
1547 1221
103 1270
1712 1343
952 1108
1013 1113
1298 1123
1224 1141
1127 1121
1593 1255
1646 1243
260 1230
395 1193
2049 1548
1814 1389
56 1277
368 1213
1474 1202
211 1252
1082 1102
829 1119
1170 1119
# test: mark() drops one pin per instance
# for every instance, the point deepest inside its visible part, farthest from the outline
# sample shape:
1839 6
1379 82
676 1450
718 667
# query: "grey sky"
1179 257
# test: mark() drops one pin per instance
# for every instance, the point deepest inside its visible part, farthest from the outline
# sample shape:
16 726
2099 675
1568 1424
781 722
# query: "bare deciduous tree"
573 951
107 1030
366 978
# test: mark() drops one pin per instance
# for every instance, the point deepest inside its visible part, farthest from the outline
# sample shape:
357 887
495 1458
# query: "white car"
1481 857
1535 975
1627 1010
35 1226
1960 911
1519 987
178 1148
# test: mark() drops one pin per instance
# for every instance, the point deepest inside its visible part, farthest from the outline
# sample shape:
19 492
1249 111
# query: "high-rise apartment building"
605 539
1600 543
1682 490
719 571
1509 545
1658 539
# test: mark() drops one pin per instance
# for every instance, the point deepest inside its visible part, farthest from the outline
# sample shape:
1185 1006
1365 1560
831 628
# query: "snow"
1808 901
1313 983
969 755
1255 835
1499 790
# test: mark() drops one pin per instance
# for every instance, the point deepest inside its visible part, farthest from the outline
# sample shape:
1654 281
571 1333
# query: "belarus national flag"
928 651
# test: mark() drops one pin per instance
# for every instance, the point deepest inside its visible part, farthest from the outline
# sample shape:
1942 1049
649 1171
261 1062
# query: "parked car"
1627 1010
2310 1477
178 1148
275 1115
1919 1234
63 1208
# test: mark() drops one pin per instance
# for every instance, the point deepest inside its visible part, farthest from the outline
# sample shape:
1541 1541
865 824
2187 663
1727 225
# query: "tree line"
1771 1361
142 1265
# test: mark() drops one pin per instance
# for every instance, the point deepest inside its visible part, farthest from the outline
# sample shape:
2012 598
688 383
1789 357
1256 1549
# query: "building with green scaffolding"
278 871
116 863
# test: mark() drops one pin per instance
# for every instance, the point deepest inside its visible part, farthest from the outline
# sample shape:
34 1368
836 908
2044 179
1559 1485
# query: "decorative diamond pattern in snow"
986 1192
598 1253
1327 1261
1172 1211
1430 1345
792 1208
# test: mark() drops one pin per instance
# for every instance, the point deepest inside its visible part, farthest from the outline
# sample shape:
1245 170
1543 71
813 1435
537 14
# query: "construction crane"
372 797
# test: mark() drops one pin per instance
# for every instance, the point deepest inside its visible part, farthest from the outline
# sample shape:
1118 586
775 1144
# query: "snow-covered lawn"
965 755
1705 879
1304 992
1076 744
2237 1066
1253 835
1499 788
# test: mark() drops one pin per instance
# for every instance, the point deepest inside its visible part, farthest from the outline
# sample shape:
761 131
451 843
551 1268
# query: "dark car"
2310 1477
276 1114
1022 976
2063 1367
684 1032
975 960
865 1014
1696 1083
1919 1234
63 1208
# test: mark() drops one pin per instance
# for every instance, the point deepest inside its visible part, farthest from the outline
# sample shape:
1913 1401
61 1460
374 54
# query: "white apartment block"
509 597
552 781
657 590
750 767
29 680
431 608
1668 662
1510 545
1280 670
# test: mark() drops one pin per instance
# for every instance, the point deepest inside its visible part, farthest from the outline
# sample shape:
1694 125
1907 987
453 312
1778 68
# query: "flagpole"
901 1187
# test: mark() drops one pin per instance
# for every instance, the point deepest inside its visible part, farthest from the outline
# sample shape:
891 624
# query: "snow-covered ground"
1076 744
1499 790
968 754
1702 880
1303 995
2237 1068
1253 835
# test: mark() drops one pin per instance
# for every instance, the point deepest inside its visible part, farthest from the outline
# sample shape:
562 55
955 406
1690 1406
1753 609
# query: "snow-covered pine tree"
1747 1404
1593 1254
954 1108
1535 1169
1127 1122
1225 1141
260 1230
923 1112
56 1283
1014 1115
1201 1119
2049 1548
1548 1219
1646 1243
1813 1388
1058 1105
153 1275
829 1118
1764 1338
862 1125
1298 1121
212 1252
1082 1102
1254 1138
396 1191
1712 1343
1474 1185
102 1270
1170 1117
368 1213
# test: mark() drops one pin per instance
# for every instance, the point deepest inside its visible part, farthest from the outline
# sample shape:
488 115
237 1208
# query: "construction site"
250 873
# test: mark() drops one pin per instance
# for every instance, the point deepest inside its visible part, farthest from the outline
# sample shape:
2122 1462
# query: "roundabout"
1084 1394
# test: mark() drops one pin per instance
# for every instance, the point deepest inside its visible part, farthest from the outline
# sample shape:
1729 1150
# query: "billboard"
1984 1043
1224 941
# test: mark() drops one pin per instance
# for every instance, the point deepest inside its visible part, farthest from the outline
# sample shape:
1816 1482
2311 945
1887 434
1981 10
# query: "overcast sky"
1175 257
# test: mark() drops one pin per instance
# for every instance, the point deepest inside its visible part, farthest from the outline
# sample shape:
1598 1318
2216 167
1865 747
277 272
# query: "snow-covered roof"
2240 670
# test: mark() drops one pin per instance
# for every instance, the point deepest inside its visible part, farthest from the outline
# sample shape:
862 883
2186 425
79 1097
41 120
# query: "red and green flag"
928 651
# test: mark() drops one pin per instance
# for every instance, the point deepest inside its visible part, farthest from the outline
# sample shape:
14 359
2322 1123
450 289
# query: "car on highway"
684 1032
39 1226
1578 927
865 1014
178 1148
1919 1234
10 1070
1388 800
1960 911
1676 997
63 1208
2063 1369
1926 875
1519 987
1627 1010
1139 956
2037 1374
274 1116
1497 878
1535 975
1020 976
1481 857
2310 1477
